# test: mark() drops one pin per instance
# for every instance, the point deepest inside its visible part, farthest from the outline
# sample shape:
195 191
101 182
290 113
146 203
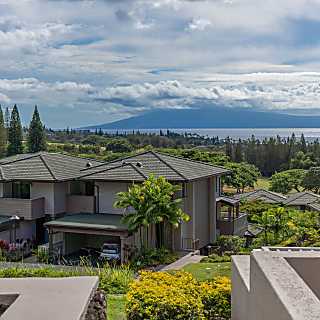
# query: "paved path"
180 263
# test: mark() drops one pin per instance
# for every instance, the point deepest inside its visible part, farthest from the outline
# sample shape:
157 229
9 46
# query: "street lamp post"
15 218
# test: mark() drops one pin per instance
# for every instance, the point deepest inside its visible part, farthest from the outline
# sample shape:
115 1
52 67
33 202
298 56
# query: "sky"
86 62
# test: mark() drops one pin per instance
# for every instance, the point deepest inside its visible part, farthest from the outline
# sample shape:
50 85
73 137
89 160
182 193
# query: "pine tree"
303 144
15 133
3 136
36 136
238 154
7 118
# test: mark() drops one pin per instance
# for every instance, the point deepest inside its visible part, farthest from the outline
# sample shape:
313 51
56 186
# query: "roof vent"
123 163
139 164
89 164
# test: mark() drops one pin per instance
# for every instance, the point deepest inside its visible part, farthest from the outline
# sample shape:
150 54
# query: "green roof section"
109 222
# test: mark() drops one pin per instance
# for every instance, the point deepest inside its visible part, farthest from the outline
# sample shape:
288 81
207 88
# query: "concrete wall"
240 287
308 269
107 195
280 285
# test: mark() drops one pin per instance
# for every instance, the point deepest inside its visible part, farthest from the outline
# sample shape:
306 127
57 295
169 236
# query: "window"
21 190
82 188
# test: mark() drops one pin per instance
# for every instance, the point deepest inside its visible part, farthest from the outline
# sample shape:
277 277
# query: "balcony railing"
80 204
28 209
233 226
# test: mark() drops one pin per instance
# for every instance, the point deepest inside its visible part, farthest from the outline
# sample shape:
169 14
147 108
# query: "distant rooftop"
263 195
302 199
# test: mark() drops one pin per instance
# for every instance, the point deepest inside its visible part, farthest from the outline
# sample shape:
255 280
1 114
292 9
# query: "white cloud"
4 98
199 24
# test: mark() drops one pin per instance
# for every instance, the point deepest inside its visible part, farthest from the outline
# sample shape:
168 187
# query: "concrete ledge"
48 298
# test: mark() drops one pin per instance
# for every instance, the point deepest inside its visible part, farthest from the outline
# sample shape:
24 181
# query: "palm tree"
151 203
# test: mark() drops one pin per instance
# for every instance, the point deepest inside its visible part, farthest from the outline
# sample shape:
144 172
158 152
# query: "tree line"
12 133
275 154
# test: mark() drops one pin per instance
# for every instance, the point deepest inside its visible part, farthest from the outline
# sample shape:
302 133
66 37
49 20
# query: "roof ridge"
116 160
27 156
139 171
47 166
190 160
172 168
108 169
75 157
300 194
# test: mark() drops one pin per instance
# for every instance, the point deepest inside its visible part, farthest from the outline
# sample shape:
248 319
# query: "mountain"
218 117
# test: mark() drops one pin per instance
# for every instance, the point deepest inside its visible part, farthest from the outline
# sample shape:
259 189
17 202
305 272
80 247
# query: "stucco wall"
201 208
60 197
200 204
107 196
46 190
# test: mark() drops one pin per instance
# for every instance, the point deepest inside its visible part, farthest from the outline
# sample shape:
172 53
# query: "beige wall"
46 190
107 195
200 204
60 197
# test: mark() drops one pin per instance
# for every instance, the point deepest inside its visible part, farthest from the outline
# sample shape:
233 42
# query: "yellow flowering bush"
216 298
163 296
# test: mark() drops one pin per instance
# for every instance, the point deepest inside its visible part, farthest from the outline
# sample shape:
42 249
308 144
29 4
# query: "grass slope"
116 307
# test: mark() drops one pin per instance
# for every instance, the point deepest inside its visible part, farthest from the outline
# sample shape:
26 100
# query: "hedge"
177 295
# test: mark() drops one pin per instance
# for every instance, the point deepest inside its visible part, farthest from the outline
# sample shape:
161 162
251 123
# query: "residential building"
73 198
276 283
305 200
261 195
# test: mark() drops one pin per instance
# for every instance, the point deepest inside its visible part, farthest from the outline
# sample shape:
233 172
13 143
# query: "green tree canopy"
302 161
151 203
15 133
285 181
242 175
312 179
36 135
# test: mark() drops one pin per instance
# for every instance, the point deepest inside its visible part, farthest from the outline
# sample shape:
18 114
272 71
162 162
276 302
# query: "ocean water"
309 133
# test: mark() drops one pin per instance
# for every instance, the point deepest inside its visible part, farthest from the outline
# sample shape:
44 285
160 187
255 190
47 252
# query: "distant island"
218 117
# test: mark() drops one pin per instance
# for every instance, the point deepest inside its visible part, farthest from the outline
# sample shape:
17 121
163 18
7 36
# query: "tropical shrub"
177 295
152 257
232 244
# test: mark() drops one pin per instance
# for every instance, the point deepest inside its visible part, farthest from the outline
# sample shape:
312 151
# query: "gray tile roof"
262 195
140 166
302 198
42 166
315 206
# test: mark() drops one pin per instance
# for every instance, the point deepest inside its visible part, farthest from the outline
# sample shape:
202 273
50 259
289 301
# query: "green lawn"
116 307
207 271
263 183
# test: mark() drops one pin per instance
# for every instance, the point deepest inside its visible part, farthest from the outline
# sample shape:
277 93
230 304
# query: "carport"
80 228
